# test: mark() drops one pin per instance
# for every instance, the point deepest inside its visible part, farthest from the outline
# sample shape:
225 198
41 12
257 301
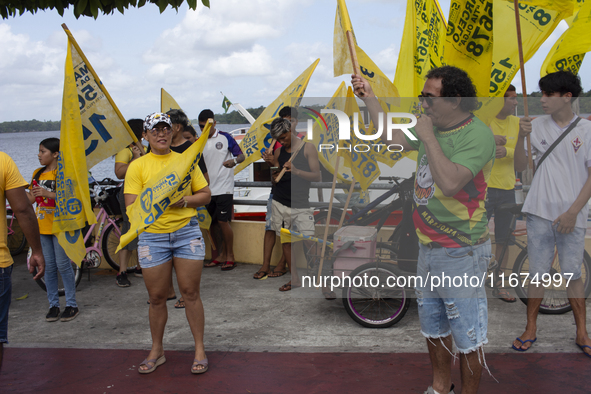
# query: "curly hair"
455 82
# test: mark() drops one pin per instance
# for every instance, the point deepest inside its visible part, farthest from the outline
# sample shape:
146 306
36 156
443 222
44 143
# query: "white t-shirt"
557 184
218 149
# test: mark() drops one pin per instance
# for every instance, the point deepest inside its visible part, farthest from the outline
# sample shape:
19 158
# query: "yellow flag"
258 138
105 130
568 52
564 6
469 41
380 83
167 102
72 201
421 48
164 188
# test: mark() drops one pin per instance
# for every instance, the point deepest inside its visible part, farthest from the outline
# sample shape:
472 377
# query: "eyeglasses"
166 130
201 126
428 99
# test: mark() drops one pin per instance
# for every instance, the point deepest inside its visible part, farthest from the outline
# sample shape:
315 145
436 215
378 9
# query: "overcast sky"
251 50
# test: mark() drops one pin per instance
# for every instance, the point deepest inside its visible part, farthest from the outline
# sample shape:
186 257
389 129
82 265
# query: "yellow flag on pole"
566 7
258 138
73 208
569 51
380 83
164 188
167 102
105 130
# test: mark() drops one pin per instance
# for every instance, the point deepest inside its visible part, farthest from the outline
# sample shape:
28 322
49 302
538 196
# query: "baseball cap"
155 118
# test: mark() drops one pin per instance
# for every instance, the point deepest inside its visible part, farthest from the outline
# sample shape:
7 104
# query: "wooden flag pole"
293 155
522 68
325 237
347 203
354 61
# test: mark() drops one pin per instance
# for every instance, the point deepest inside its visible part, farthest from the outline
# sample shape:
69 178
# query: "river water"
24 147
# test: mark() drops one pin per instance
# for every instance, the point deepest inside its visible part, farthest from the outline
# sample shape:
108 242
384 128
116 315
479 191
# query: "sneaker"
431 391
70 313
53 314
138 273
122 280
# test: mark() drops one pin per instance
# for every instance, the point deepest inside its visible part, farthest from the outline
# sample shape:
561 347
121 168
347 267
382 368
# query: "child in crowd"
43 188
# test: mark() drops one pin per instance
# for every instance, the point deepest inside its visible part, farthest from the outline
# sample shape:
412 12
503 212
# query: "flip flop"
228 266
180 304
168 299
277 274
519 349
329 295
212 264
203 362
157 362
288 287
265 275
582 347
503 295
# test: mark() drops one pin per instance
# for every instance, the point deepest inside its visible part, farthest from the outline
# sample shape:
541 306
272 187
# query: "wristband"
185 204
235 160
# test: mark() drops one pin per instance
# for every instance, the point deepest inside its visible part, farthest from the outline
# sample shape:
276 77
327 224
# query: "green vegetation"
91 8
535 107
20 126
235 117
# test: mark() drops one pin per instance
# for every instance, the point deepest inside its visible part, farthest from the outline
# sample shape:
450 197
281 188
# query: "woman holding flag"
173 239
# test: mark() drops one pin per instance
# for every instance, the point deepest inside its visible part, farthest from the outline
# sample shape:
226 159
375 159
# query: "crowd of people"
467 173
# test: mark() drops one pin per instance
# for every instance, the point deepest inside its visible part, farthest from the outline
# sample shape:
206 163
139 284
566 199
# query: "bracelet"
185 204
235 160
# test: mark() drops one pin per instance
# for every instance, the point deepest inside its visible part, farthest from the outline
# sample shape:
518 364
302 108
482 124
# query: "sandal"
212 263
228 266
203 363
288 287
180 304
503 295
261 275
151 368
277 274
329 295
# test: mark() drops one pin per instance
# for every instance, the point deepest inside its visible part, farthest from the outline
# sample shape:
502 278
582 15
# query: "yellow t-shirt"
139 173
10 179
125 156
502 175
46 209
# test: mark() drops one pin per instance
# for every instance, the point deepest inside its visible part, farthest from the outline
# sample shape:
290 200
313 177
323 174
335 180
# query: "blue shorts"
451 296
186 243
5 295
495 198
541 240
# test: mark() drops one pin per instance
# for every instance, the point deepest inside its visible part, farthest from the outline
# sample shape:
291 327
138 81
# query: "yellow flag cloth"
258 138
72 202
167 102
171 183
289 236
568 52
105 130
380 83
564 6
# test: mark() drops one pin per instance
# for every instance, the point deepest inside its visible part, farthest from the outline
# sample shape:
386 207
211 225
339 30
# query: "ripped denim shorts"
451 295
186 243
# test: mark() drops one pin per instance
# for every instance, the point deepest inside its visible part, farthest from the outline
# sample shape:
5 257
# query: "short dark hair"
455 82
288 111
137 126
561 82
191 130
279 127
511 88
178 116
205 114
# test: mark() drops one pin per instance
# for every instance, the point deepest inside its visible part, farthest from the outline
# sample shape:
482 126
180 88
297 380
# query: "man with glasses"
221 154
455 156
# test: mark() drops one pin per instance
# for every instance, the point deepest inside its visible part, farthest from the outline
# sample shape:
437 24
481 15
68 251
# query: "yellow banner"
380 83
569 51
421 48
105 130
258 138
72 202
164 188
469 41
564 6
167 102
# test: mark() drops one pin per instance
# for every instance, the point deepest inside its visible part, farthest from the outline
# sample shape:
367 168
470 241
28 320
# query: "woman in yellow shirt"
174 239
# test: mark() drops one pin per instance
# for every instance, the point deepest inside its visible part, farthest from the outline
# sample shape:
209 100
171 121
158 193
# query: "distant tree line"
20 126
235 117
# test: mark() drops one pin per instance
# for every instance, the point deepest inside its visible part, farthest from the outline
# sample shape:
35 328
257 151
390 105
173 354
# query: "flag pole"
523 87
347 203
293 155
325 237
100 85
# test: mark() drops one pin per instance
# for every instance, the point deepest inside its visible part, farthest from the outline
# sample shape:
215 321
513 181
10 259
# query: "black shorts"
220 207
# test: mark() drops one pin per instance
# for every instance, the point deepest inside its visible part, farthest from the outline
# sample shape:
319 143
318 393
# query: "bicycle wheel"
374 300
16 238
60 284
555 299
109 245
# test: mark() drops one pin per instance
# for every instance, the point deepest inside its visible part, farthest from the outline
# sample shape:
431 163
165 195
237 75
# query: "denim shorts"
495 198
541 239
186 243
451 296
5 295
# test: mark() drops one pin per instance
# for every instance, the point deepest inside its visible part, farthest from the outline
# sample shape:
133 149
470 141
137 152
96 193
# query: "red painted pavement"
114 371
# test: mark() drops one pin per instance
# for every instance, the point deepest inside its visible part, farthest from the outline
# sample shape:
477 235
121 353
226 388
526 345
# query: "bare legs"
470 366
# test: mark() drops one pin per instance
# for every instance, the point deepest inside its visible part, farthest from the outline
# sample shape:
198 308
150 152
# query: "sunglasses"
160 130
428 99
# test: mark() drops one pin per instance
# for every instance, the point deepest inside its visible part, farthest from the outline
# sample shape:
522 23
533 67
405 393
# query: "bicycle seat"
515 209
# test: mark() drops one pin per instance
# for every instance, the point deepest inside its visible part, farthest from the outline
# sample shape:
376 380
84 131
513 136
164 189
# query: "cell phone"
274 168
